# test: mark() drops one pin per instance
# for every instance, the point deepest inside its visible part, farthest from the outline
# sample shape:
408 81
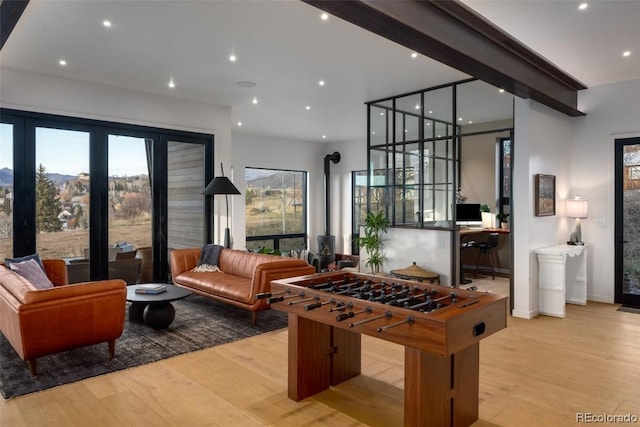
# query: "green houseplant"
375 224
502 217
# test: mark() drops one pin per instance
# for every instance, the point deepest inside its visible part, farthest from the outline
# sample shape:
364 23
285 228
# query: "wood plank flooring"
535 372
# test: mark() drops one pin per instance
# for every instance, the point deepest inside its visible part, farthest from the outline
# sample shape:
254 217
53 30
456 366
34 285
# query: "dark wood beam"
10 12
453 34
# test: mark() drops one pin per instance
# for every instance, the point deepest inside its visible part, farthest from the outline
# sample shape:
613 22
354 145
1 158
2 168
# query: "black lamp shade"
220 185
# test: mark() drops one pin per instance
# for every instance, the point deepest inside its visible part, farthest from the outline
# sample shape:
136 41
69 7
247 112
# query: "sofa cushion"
36 257
33 272
218 283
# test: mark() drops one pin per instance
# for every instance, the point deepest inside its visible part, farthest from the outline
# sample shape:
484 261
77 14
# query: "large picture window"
84 190
276 209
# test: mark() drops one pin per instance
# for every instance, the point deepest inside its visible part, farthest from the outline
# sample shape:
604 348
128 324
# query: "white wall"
43 93
479 163
613 112
542 145
353 158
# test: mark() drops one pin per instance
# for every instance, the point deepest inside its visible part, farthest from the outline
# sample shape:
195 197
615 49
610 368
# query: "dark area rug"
629 309
199 323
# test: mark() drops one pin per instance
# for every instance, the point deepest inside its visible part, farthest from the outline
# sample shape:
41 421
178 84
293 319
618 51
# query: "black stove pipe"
335 158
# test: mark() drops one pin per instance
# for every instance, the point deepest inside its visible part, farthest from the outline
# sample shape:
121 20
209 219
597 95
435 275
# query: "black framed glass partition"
414 146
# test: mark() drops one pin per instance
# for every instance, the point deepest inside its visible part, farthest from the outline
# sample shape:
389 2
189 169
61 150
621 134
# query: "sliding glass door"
84 190
627 225
62 184
6 190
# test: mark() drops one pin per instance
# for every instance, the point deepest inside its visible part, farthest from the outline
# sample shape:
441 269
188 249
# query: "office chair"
463 247
487 247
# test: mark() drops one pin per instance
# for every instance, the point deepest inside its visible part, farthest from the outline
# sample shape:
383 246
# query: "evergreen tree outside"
47 203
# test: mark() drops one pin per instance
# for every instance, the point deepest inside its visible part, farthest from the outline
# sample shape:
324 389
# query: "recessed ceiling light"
414 54
470 121
501 90
255 100
417 106
428 124
373 132
62 62
583 6
232 58
321 82
626 53
172 84
324 136
459 119
307 108
430 112
324 16
239 123
382 114
106 23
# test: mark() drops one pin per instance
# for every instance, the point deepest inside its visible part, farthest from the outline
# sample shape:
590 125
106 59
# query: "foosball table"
440 328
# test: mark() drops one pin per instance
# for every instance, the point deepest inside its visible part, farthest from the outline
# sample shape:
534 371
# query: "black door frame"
620 296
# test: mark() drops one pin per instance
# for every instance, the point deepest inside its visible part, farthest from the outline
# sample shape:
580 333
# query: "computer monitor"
468 214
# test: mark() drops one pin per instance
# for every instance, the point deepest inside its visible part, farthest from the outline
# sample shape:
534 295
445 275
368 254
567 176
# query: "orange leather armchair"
48 321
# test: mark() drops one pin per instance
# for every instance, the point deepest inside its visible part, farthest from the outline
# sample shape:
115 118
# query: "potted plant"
375 224
502 217
486 216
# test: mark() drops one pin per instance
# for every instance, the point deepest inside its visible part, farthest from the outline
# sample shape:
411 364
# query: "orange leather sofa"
244 274
42 322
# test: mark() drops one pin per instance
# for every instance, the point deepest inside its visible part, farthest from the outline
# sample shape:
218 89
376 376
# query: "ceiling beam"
453 34
10 13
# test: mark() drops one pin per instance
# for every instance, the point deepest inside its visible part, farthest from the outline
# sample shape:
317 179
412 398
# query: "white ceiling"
285 48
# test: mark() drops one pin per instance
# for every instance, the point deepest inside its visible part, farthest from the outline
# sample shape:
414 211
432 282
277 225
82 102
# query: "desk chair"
487 247
463 247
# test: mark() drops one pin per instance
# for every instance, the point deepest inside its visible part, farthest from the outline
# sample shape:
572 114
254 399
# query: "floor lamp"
222 185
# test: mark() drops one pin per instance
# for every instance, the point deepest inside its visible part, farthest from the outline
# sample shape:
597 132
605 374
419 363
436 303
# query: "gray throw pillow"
36 257
31 271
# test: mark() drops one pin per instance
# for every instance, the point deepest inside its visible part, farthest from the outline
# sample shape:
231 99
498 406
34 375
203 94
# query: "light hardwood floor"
536 372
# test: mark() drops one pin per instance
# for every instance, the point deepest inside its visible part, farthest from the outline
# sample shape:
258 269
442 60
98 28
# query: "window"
81 186
62 193
504 152
411 158
414 147
276 209
358 206
6 190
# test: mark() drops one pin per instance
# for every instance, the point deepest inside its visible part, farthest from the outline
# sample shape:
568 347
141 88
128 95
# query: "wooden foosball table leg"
320 356
441 391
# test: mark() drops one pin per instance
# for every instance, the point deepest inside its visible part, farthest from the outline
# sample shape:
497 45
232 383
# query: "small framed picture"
545 194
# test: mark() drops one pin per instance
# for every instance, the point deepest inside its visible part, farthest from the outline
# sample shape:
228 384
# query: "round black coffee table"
155 310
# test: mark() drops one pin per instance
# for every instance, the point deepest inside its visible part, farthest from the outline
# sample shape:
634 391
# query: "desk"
562 277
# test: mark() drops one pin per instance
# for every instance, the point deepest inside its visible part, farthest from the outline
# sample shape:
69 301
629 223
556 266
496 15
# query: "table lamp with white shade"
576 208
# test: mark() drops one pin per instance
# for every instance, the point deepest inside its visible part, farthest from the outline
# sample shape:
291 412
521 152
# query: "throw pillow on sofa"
31 271
35 257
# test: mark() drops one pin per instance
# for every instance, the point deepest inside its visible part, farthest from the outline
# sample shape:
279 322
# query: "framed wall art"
545 194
